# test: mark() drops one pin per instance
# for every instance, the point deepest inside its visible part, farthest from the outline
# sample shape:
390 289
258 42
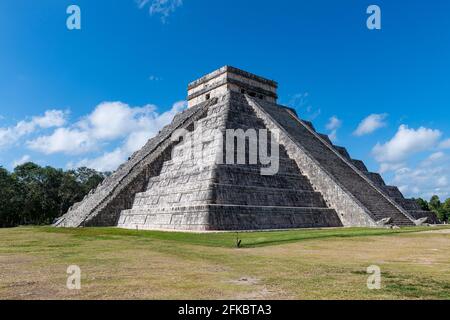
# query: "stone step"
241 175
220 217
376 178
393 192
266 196
360 165
343 151
325 137
208 192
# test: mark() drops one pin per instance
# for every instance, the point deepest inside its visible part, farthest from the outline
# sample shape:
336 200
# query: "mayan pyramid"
165 185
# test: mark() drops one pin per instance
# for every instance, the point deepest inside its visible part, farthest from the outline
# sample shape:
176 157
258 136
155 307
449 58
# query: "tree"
423 204
9 201
435 203
446 210
37 195
437 207
89 178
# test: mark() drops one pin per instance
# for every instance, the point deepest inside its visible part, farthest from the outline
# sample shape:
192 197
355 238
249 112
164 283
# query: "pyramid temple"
180 180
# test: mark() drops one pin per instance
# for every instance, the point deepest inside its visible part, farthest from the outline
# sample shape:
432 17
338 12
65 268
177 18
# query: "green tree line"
35 195
441 209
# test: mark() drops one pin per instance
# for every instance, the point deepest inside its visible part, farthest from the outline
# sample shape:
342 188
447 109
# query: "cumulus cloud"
433 158
63 140
163 8
430 177
141 123
108 161
333 125
370 124
50 119
108 122
405 143
423 179
112 120
386 167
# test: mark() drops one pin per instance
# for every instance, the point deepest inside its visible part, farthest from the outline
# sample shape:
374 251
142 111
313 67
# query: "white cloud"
163 8
108 122
405 143
371 124
108 161
111 125
424 179
433 158
50 119
386 167
63 140
333 125
112 120
430 177
24 159
445 144
143 123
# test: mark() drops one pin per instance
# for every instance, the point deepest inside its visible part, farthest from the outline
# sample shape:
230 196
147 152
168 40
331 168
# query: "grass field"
297 264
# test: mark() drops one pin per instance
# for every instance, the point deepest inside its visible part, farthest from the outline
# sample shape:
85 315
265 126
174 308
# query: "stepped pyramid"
183 182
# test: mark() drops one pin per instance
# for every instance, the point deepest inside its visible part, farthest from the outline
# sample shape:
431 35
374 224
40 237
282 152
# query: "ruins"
317 184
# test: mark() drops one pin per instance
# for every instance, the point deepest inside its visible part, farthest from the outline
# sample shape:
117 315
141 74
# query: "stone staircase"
410 205
219 196
102 206
337 162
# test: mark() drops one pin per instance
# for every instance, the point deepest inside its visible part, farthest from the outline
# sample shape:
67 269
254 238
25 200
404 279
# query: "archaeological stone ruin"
180 180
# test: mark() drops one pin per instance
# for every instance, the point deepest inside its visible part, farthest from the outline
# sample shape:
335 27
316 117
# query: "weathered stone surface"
212 196
421 221
351 193
165 186
102 206
385 222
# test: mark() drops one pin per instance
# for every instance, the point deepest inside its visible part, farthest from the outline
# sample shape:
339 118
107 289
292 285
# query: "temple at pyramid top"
227 78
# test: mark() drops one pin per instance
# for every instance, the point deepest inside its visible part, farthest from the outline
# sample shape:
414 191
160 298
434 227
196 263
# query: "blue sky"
92 96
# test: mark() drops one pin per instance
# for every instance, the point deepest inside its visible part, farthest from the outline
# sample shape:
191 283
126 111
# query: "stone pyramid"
182 179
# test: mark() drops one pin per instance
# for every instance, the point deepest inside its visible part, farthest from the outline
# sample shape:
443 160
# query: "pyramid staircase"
102 206
336 161
188 195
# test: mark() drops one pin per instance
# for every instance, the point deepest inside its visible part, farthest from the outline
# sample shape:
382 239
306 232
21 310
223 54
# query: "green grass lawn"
228 239
295 264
